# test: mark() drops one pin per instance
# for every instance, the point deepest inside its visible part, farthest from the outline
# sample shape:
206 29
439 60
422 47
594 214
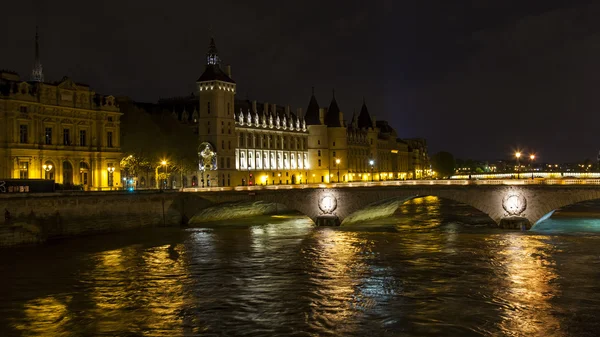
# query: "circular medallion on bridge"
327 203
514 203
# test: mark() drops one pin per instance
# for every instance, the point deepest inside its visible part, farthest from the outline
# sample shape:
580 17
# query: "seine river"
435 269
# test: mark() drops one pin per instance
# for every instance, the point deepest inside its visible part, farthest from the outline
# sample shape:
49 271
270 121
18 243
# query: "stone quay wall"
35 218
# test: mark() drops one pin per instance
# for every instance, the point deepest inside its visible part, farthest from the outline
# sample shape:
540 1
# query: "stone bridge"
510 206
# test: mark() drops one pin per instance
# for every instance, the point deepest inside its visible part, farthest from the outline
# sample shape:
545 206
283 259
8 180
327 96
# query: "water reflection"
436 274
526 274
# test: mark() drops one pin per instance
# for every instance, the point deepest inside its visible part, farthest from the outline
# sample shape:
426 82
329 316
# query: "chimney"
374 122
254 106
342 119
266 108
299 112
228 70
287 110
322 115
274 107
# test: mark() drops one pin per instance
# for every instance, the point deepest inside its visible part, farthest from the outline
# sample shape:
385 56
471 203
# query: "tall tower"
216 120
37 74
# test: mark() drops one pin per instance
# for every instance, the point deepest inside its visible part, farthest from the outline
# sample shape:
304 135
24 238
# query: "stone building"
243 142
62 131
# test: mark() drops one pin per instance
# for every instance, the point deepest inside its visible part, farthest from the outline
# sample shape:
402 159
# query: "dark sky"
477 78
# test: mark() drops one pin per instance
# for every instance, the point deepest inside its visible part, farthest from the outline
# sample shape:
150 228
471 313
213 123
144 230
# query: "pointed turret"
354 122
37 74
312 112
213 69
332 118
364 118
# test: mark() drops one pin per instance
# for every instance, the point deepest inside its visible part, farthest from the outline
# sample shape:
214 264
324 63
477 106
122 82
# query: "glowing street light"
337 163
531 158
47 168
111 170
164 164
371 162
518 155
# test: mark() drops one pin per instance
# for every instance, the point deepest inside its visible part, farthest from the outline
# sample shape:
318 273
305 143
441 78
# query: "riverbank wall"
36 218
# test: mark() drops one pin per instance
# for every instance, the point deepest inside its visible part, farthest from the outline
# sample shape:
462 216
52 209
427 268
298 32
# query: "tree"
443 163
151 135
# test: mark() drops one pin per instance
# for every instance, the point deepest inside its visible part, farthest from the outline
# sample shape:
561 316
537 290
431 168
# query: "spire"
213 70
364 118
212 56
332 118
312 112
37 74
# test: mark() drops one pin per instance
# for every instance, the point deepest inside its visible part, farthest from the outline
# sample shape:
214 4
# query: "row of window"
48 139
269 141
300 161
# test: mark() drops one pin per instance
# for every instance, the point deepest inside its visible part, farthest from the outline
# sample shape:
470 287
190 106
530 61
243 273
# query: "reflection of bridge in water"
510 203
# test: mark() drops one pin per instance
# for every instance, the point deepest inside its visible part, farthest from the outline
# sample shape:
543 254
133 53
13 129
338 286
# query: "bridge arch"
388 207
555 205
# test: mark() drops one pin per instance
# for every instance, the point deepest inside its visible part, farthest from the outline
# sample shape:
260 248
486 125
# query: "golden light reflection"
527 287
146 279
46 316
336 262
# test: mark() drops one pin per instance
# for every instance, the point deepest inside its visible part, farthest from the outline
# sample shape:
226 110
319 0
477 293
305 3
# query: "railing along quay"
402 183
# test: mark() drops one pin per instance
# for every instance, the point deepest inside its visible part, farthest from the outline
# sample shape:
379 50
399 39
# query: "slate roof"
332 118
364 118
312 112
213 72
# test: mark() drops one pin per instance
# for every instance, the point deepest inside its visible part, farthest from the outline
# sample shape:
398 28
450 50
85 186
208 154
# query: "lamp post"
518 155
111 170
371 162
313 178
337 163
531 157
47 168
279 176
164 163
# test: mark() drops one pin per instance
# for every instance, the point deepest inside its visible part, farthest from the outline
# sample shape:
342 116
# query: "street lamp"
337 163
111 170
371 162
164 163
279 175
518 155
47 168
531 157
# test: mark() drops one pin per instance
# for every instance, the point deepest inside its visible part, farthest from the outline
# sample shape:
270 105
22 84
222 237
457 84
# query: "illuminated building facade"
61 131
243 142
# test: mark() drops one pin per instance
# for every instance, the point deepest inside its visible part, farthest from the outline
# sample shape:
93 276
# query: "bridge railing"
454 182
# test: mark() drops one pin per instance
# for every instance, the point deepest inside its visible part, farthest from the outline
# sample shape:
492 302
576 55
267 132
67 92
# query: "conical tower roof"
312 112
364 118
332 118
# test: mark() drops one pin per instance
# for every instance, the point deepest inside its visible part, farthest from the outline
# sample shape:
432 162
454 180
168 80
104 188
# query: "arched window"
258 161
242 160
250 160
293 160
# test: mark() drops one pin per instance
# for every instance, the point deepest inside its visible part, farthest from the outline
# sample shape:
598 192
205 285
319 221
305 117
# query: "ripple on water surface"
436 271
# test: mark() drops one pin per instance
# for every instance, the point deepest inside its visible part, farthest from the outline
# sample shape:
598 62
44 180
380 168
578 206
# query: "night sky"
477 78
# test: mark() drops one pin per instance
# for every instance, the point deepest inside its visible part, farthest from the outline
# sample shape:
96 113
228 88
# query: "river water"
434 269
